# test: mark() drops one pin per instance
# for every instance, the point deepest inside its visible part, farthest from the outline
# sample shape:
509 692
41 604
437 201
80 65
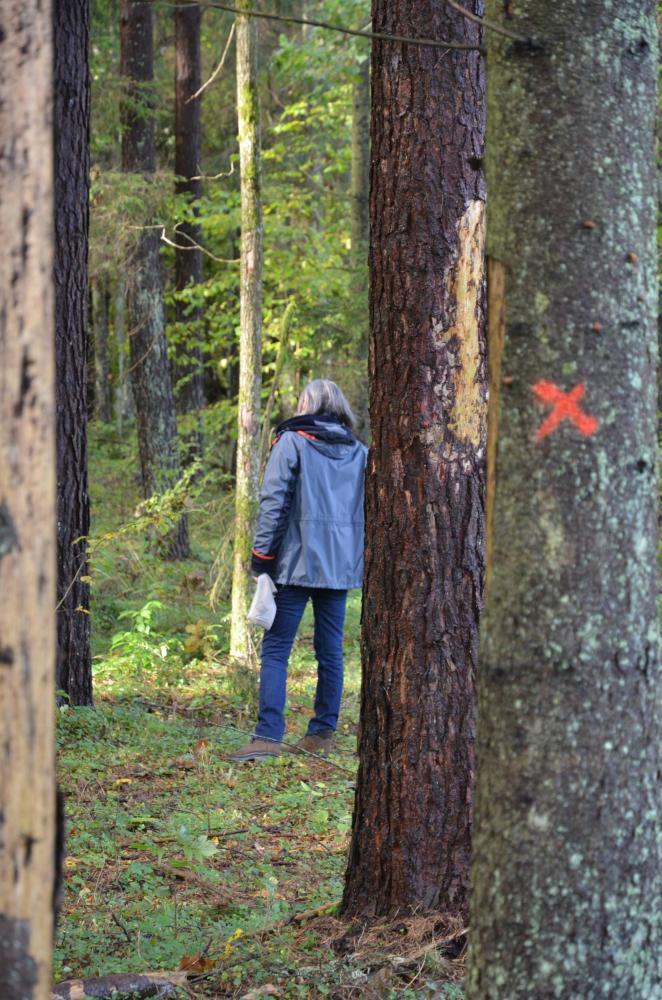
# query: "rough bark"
71 23
150 369
27 501
567 870
424 488
188 263
104 408
360 235
250 347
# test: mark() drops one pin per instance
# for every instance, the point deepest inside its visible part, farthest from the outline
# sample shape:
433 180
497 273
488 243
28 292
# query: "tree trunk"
104 409
424 490
150 369
71 21
250 348
360 235
27 503
188 263
567 869
124 407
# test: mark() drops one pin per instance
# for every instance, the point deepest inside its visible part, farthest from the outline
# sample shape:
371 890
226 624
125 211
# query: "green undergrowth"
176 856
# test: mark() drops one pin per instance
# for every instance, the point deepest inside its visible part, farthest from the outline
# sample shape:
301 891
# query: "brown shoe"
317 743
257 748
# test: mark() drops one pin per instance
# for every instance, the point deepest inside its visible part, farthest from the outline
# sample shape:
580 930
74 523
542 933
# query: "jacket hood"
319 427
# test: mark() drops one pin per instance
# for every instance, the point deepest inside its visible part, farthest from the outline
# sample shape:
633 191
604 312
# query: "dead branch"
354 32
217 70
137 985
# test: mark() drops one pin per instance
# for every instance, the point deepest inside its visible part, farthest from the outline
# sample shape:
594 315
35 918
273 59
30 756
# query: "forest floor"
176 857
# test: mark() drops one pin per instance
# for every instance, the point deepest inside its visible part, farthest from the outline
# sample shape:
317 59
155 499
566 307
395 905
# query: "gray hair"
323 396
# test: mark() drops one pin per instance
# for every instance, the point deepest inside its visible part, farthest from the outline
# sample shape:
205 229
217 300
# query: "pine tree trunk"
567 869
188 263
104 409
360 235
150 368
28 540
424 489
250 348
71 21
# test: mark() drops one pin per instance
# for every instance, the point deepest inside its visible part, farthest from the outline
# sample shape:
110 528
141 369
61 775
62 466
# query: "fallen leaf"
268 990
184 763
196 963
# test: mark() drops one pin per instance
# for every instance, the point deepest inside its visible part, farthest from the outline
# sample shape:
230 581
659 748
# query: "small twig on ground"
122 926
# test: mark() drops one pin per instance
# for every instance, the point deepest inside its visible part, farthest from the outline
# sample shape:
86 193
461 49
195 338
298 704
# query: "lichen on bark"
566 871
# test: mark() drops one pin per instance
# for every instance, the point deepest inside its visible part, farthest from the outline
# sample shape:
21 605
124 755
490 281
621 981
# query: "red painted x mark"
565 408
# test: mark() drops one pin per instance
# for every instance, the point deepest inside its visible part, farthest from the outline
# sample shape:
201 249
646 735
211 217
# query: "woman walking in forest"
309 540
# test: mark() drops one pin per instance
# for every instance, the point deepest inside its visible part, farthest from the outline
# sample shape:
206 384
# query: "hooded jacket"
310 524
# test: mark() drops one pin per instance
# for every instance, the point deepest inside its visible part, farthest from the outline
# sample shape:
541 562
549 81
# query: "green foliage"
305 91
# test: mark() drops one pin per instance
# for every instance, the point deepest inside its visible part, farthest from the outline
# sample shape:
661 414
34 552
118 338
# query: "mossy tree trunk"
28 503
424 488
567 872
188 262
71 116
150 368
250 347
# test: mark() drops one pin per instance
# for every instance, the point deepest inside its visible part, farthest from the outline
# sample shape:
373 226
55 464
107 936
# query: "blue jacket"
310 524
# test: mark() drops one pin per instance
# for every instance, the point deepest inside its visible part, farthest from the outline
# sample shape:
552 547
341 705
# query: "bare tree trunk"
150 369
250 348
188 263
104 409
567 868
27 502
72 159
424 489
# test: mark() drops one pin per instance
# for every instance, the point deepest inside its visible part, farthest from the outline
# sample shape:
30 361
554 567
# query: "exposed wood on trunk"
27 502
71 112
496 330
150 369
250 348
424 490
567 869
188 263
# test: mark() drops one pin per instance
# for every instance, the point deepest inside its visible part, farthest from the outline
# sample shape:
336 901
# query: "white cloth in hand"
263 606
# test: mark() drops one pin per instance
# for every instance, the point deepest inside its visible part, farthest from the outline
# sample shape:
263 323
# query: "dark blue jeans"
329 614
